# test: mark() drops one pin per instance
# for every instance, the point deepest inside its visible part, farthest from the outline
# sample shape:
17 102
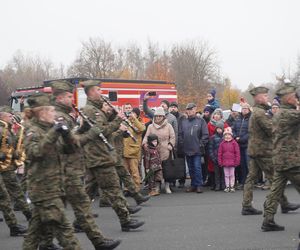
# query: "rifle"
91 123
125 120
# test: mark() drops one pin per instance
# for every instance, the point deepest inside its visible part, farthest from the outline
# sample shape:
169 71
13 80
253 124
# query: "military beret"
6 109
90 83
286 89
190 106
38 100
259 90
61 86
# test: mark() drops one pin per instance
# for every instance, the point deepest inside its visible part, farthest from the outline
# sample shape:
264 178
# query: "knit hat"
166 102
218 111
228 130
208 109
159 111
151 138
174 104
137 111
213 92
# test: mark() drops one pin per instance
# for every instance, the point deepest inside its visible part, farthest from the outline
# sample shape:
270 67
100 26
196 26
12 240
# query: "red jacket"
229 154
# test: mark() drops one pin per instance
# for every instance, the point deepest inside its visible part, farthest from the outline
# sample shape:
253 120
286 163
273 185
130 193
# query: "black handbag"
173 167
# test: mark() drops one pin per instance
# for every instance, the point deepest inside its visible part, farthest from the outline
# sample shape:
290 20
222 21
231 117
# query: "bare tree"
97 59
195 68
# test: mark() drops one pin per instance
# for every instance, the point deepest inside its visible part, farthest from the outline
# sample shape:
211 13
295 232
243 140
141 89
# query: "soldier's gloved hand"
16 155
94 132
62 129
2 156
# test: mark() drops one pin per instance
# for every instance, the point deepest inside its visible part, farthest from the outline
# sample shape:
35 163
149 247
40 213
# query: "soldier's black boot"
28 215
108 244
17 230
132 224
134 210
250 211
139 198
1 219
289 207
269 225
299 242
50 247
17 208
77 228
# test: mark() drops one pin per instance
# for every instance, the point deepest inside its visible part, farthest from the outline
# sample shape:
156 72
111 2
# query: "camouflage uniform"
45 183
101 162
74 169
123 173
5 206
9 177
286 154
259 150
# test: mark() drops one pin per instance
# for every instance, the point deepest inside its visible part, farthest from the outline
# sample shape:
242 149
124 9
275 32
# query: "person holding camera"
165 104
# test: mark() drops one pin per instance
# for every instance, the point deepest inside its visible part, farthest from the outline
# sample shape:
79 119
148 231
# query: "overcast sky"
254 39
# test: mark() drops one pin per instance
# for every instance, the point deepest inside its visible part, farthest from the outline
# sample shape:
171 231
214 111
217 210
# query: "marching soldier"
260 151
9 155
100 161
74 169
286 153
9 216
45 176
123 173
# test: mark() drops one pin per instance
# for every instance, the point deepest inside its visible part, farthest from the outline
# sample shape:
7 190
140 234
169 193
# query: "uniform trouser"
132 165
14 189
48 216
255 165
5 206
126 179
109 182
81 204
277 189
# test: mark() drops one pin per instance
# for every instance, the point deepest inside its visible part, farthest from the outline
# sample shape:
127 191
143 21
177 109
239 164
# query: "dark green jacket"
44 170
72 155
286 138
260 132
96 152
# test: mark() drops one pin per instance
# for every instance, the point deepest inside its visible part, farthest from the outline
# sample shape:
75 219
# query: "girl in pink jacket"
229 158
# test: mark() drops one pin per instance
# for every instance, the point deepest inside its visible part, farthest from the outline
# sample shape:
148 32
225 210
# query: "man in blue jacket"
192 138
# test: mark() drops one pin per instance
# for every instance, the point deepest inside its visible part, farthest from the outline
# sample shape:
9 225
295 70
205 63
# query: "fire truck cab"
119 92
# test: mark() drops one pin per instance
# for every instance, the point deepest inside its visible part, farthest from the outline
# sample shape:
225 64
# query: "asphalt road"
208 221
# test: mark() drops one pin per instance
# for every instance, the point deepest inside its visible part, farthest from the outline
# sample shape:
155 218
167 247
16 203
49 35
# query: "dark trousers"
242 170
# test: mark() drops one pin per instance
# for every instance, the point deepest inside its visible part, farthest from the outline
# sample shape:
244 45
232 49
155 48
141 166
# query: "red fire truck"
119 92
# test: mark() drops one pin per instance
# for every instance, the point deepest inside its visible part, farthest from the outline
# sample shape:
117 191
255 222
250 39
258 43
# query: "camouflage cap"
259 90
61 86
90 83
6 109
39 100
286 89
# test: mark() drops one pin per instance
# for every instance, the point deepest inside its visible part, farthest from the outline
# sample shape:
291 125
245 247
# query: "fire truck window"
113 96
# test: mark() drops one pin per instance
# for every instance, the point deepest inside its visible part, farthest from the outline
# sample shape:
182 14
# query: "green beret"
6 109
90 83
259 90
38 100
61 86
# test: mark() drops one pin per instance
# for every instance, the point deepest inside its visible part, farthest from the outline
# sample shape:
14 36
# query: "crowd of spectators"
214 148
